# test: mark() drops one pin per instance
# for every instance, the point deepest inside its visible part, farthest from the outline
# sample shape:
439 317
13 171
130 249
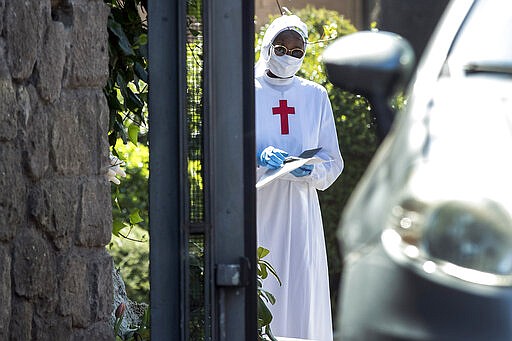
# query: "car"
426 235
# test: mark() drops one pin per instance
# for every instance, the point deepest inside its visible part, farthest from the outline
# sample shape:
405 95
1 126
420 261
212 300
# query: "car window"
485 38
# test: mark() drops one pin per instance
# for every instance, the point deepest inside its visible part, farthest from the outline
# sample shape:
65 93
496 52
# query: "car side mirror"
373 64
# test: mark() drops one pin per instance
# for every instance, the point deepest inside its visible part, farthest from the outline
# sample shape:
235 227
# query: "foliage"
129 209
194 108
354 123
126 90
196 290
265 297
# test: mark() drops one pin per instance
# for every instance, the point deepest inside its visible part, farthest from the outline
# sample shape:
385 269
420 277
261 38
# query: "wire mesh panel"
195 282
194 110
196 287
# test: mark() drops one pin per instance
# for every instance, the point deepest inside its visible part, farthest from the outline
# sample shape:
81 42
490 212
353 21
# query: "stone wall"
55 210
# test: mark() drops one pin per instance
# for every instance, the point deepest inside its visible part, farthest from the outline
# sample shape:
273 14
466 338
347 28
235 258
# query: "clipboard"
290 163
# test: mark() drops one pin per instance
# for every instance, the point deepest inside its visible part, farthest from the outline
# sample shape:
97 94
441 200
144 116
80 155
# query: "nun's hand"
272 158
302 170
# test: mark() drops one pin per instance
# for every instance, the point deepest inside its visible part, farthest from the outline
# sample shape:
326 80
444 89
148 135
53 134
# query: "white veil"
285 22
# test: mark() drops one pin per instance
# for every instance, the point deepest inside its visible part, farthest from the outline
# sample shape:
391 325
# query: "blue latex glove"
272 158
303 170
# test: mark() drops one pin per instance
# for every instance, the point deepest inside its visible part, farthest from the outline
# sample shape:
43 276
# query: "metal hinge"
233 275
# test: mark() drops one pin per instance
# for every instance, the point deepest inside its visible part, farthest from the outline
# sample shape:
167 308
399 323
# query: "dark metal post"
230 42
251 302
165 107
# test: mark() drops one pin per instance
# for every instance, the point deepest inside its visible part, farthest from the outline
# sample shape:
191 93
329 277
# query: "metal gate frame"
230 165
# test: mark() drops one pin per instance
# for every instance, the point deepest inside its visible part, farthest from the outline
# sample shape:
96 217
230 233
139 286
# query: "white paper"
272 174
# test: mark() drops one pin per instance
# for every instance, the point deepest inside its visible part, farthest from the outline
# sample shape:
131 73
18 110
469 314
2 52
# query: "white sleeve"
324 174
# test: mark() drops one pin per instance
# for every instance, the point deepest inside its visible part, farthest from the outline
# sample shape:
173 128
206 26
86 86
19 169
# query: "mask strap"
267 58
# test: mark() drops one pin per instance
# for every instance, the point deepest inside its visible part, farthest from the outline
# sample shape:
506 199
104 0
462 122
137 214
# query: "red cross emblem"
283 110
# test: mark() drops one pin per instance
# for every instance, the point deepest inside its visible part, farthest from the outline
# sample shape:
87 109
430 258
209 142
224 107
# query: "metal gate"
202 197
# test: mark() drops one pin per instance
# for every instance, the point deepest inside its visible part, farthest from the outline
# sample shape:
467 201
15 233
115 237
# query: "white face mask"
284 66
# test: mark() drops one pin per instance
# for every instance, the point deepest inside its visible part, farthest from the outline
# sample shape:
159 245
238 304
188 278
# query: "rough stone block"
100 331
8 124
53 205
50 65
74 292
5 73
2 9
102 160
24 105
102 291
79 142
40 207
95 227
5 291
25 24
93 118
12 193
36 141
88 60
65 135
65 196
55 328
33 266
21 321
8 119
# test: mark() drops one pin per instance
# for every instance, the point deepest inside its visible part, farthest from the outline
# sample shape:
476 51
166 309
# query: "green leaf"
263 271
135 217
118 126
112 138
194 32
117 226
262 252
113 102
140 71
133 133
123 42
272 270
142 39
123 85
146 317
271 298
264 314
134 101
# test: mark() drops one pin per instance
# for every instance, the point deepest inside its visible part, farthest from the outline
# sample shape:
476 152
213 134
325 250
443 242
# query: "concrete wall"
55 210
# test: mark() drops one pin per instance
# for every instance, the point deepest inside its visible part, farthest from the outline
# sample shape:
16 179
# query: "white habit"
294 115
